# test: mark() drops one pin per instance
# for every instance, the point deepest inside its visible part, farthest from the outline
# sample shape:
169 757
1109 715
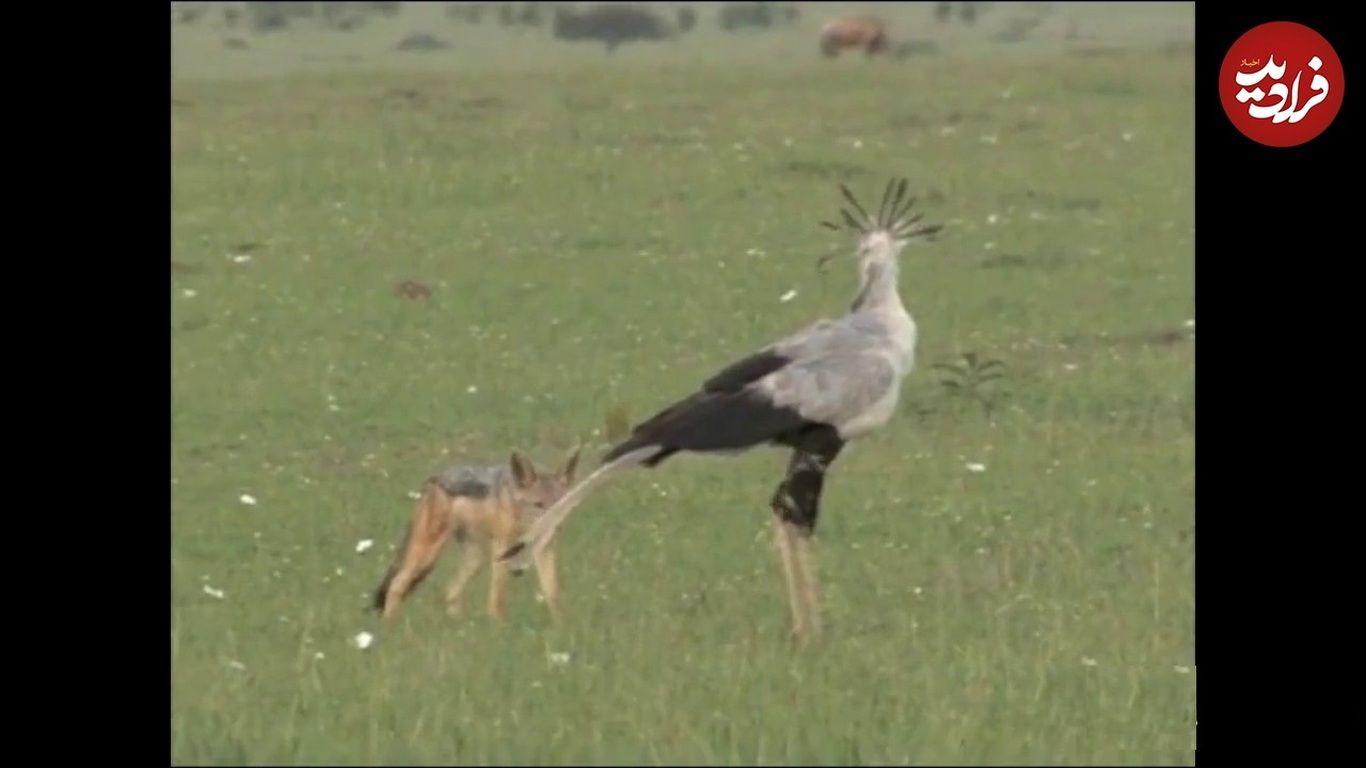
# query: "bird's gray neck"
879 288
879 304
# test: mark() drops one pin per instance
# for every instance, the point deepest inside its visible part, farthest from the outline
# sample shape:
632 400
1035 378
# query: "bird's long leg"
782 537
807 578
796 503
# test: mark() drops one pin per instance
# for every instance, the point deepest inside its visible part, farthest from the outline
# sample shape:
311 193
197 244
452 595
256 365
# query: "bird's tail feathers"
534 540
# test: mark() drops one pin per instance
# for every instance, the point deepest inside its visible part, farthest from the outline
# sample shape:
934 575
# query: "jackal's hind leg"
415 563
471 560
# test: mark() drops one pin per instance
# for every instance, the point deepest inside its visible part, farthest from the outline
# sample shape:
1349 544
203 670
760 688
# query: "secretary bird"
813 391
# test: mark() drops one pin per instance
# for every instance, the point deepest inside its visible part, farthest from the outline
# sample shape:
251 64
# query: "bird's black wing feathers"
735 376
709 422
723 415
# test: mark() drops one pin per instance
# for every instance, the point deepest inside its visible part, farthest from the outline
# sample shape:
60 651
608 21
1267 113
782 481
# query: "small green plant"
972 379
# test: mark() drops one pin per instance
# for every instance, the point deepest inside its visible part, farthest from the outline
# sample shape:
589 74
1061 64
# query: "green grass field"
601 233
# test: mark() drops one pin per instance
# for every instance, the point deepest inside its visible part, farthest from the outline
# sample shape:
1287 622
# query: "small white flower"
339 570
558 658
974 466
211 592
1087 661
363 640
241 258
471 389
189 293
789 296
1128 136
414 495
237 665
858 143
993 218
1189 323
319 655
1182 669
988 246
1069 366
248 499
364 544
918 590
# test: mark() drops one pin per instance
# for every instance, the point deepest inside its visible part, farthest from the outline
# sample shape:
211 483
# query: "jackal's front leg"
498 580
550 584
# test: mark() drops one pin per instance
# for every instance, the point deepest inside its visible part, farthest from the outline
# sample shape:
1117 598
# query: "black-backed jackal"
485 509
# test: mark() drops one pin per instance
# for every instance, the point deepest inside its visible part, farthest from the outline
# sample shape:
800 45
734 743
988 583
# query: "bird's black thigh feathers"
797 499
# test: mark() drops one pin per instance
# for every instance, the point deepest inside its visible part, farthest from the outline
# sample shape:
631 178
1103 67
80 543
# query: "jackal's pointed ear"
523 471
571 464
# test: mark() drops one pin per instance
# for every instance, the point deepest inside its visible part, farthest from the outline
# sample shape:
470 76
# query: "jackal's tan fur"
484 524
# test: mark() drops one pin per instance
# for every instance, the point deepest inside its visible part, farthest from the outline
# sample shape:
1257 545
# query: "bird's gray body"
847 372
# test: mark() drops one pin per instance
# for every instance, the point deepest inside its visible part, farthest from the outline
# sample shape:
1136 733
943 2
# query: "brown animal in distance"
864 32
